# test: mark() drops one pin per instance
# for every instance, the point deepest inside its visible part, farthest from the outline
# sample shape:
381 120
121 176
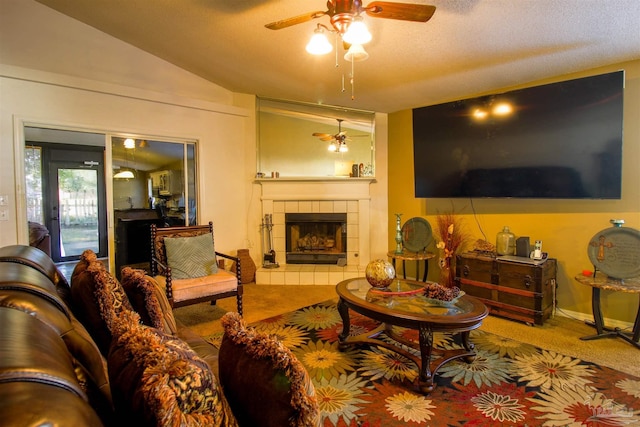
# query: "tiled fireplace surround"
339 195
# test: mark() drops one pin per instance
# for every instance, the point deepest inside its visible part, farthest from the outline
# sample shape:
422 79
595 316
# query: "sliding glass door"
153 183
66 190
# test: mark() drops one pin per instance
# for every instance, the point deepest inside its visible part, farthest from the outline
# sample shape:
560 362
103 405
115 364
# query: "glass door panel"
154 182
78 211
75 200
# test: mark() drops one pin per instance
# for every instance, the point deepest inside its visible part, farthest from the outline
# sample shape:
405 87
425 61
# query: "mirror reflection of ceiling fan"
343 12
338 140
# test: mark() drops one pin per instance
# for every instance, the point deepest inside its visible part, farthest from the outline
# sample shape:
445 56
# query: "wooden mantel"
329 188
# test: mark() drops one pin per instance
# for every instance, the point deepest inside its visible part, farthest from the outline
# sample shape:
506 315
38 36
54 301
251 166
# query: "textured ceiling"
468 47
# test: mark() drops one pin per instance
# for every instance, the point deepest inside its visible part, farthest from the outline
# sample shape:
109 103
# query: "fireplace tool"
269 259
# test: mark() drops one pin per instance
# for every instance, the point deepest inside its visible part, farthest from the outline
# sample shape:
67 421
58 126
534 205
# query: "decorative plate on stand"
616 252
416 234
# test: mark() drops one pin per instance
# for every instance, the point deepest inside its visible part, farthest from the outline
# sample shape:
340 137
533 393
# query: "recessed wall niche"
287 145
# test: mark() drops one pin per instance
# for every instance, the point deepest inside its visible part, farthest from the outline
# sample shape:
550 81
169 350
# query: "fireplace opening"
316 238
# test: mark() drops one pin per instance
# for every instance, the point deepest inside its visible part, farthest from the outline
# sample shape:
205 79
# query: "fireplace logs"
315 238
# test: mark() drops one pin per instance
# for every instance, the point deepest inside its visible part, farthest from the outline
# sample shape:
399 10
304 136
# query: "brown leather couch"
51 370
41 346
63 365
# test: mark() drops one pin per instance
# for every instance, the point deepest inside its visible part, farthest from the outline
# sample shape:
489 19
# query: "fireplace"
316 238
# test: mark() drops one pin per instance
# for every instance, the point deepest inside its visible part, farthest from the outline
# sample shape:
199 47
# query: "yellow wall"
564 226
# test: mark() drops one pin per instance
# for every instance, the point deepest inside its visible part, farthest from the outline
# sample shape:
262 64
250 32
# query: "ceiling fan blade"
401 11
321 134
284 23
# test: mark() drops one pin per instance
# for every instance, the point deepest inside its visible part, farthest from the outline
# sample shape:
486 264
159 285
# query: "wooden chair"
181 292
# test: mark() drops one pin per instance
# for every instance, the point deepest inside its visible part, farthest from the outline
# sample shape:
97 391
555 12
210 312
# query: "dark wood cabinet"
133 238
515 290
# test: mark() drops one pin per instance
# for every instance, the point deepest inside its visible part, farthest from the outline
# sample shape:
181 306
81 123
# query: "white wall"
220 136
152 98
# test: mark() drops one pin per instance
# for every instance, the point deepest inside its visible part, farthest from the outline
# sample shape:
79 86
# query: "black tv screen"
555 141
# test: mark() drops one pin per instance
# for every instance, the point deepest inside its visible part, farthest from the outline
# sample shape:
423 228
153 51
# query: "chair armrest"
166 272
155 267
234 259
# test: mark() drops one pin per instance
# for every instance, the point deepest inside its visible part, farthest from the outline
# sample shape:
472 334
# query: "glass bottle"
505 242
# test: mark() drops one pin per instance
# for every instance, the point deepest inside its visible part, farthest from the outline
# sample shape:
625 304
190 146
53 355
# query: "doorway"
70 200
67 187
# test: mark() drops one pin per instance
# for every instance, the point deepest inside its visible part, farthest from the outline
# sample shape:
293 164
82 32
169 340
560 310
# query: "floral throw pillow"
263 381
158 380
149 300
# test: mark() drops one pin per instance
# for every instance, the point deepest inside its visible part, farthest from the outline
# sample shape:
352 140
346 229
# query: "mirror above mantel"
287 145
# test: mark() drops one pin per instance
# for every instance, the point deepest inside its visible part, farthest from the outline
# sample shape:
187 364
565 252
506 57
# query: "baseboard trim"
610 323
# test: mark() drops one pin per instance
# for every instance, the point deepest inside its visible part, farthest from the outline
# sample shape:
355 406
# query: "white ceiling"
468 47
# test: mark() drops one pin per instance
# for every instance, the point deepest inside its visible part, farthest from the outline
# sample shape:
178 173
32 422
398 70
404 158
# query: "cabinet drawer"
479 269
526 277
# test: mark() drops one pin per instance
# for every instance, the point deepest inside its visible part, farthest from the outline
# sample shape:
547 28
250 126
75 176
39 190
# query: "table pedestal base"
632 338
427 365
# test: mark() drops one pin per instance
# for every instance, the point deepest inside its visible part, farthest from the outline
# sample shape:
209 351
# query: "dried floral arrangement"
452 234
453 238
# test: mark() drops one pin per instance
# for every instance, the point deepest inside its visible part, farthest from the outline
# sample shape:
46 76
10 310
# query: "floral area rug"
508 384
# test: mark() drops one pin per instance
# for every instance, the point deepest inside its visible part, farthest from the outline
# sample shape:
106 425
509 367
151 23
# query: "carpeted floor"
559 334
510 382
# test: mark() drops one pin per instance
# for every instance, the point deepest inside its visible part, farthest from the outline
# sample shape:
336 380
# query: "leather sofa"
97 352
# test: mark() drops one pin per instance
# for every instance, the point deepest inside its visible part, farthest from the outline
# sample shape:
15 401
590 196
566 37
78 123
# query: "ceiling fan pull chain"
343 89
353 78
335 42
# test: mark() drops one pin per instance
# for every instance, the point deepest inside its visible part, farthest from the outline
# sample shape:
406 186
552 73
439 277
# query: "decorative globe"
380 273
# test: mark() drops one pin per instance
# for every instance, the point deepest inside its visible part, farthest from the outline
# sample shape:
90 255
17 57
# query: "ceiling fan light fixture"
332 147
319 44
343 148
124 174
357 33
356 53
129 143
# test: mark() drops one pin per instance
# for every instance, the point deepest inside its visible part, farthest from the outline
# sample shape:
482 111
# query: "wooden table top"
602 281
411 256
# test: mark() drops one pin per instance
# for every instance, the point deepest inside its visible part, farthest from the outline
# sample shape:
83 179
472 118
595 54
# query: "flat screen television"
556 141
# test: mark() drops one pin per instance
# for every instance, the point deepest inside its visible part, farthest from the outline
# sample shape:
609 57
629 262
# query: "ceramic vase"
247 266
446 274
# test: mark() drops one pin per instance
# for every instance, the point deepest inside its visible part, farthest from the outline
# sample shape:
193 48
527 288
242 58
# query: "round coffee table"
405 306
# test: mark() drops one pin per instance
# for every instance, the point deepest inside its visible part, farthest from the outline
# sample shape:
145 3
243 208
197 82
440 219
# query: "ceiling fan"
343 12
338 140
